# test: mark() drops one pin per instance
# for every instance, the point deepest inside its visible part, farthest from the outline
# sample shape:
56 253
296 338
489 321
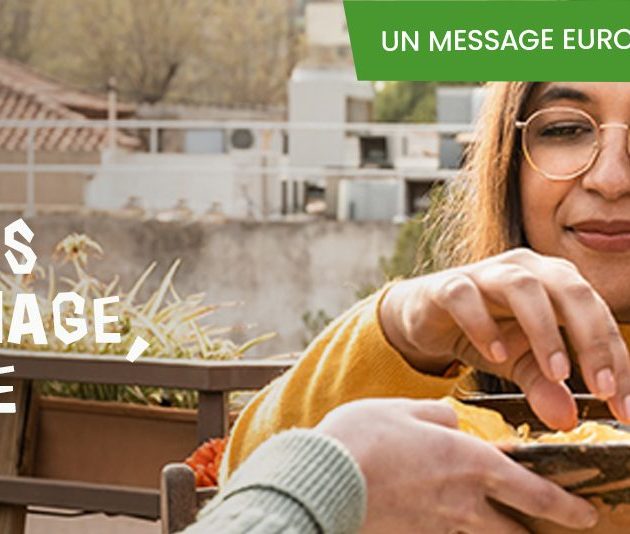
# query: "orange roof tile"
25 95
93 105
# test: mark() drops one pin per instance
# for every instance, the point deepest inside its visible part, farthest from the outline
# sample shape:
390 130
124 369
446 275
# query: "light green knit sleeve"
298 481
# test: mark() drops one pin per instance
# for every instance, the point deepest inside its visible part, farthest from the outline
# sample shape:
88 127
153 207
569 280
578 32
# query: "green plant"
417 244
403 262
314 323
406 102
174 326
415 253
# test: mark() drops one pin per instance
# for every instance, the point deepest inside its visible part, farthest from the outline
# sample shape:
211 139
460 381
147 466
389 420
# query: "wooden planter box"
110 443
106 457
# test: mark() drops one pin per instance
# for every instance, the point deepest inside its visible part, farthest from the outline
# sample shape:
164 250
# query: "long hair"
478 215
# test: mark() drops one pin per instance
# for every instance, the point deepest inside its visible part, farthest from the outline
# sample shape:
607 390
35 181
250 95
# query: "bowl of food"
592 460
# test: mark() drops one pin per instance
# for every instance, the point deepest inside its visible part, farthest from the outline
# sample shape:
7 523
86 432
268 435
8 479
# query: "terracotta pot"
110 443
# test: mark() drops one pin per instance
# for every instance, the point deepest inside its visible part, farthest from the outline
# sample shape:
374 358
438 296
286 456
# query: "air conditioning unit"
242 139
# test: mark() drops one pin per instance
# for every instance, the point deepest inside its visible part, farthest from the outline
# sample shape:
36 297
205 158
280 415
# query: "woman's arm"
501 315
351 359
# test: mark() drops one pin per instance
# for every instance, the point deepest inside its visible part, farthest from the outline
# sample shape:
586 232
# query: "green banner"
490 40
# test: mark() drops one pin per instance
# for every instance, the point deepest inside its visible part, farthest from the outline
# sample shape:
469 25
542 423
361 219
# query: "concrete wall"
159 181
279 270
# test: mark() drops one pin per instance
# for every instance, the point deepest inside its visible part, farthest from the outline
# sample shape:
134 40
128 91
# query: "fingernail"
560 369
592 517
606 386
498 351
626 406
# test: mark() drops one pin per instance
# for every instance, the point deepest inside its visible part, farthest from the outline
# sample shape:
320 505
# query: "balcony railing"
152 130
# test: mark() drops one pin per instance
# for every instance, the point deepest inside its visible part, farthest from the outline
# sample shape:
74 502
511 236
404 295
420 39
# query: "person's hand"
424 476
502 315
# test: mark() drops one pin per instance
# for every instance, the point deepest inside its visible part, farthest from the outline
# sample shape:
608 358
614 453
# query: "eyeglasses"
562 143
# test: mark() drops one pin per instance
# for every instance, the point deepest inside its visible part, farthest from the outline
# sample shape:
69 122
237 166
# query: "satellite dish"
242 139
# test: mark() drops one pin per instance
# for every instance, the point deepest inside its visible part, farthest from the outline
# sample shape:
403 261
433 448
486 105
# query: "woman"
536 237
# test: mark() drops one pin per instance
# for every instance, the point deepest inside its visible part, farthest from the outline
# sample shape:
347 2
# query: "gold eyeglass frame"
524 125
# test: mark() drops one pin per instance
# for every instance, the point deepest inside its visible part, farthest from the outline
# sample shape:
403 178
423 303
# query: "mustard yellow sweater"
350 360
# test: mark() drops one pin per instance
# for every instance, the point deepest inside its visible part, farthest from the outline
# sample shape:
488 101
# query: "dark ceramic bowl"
597 472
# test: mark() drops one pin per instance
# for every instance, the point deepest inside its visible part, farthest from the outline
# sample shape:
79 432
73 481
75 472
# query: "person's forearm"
338 367
298 481
260 510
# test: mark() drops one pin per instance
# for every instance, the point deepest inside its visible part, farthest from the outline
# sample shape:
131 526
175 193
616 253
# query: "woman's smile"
602 236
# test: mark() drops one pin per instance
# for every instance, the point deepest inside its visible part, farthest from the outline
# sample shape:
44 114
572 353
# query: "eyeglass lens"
561 142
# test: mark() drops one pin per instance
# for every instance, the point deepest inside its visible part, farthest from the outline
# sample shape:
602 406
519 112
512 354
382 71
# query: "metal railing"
394 131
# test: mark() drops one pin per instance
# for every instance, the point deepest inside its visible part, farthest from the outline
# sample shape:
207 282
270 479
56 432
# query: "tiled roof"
26 95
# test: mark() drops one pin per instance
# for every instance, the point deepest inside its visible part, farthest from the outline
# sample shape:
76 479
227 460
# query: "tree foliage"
17 26
406 102
220 52
250 49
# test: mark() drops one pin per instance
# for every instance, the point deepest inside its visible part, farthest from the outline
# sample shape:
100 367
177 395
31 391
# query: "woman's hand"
424 476
502 315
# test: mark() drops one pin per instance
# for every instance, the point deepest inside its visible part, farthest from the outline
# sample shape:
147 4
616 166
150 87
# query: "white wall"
160 180
319 95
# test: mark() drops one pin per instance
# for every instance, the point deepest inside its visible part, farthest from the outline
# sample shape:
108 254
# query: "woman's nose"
610 174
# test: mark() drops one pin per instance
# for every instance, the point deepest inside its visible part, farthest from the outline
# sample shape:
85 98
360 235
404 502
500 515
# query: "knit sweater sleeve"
351 359
297 482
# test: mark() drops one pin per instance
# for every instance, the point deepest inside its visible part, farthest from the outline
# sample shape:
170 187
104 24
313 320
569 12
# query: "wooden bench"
212 379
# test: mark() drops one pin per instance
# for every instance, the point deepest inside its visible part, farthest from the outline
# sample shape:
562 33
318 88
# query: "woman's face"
586 219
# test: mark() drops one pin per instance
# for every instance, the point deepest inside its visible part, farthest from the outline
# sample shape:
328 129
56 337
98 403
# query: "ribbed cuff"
311 469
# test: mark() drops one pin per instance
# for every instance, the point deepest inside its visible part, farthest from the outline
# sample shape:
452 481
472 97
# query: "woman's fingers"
538 373
517 289
552 402
459 296
620 403
542 292
591 327
513 485
592 330
463 308
601 352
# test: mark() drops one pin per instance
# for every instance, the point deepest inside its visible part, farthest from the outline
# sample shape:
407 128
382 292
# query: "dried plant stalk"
174 326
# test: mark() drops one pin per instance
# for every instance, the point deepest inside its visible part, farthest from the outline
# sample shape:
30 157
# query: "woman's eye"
565 130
